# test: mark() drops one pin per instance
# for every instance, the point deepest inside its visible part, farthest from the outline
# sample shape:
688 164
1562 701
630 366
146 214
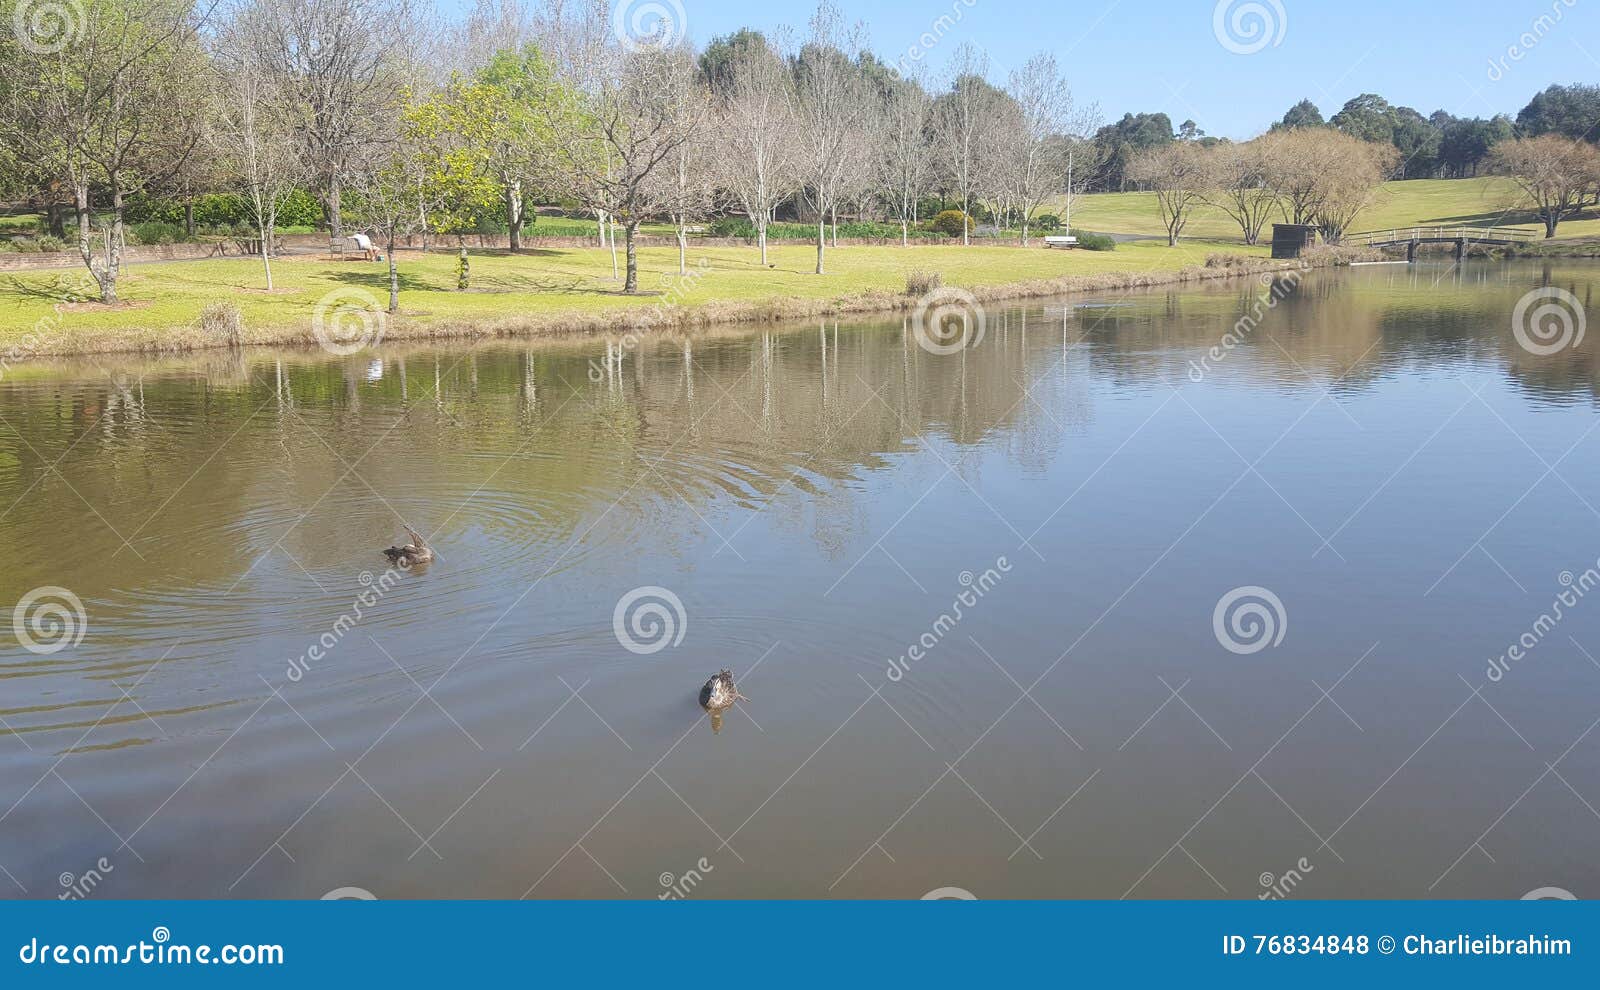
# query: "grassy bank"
553 291
1413 203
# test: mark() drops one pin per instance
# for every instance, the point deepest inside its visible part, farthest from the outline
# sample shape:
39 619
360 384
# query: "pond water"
1101 606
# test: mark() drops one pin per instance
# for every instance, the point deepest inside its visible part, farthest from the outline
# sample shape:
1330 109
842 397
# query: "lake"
1122 600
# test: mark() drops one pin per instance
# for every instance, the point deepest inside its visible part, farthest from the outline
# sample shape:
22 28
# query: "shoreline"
657 320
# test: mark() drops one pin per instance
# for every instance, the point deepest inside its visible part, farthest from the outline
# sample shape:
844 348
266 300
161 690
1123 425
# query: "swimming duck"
719 693
415 552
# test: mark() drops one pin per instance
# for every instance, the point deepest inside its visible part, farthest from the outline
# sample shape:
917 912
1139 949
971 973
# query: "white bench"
1060 241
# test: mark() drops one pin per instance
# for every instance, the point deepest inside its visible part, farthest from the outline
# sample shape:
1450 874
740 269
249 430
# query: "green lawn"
161 298
1415 202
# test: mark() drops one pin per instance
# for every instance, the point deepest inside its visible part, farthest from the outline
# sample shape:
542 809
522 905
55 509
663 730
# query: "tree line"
401 124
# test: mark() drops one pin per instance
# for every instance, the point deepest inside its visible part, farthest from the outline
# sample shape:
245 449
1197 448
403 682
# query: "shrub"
1228 259
221 321
920 282
25 245
1094 242
950 222
47 242
731 227
1047 221
154 232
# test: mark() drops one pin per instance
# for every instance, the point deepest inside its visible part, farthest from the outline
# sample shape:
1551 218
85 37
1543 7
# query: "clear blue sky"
1148 55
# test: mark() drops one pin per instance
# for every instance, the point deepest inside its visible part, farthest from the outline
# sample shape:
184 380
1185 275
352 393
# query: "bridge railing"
1402 235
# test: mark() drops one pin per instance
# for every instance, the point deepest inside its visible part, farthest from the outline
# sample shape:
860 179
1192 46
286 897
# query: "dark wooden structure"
1289 239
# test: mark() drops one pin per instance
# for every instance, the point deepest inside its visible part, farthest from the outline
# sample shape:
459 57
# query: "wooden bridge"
1412 237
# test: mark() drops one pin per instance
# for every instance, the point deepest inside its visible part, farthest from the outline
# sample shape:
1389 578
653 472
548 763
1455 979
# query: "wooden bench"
1060 241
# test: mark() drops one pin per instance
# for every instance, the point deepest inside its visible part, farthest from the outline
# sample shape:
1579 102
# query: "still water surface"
1083 486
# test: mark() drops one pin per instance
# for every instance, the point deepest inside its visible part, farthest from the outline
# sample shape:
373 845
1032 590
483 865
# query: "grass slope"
1415 202
164 300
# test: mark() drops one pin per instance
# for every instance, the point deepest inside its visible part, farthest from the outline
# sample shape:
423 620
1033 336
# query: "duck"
719 693
415 552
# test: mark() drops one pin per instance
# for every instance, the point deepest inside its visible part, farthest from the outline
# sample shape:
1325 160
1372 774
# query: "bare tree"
1238 184
964 125
621 112
754 137
1176 172
1294 170
1047 121
832 104
251 138
1554 175
686 190
392 175
493 26
340 66
905 160
1353 174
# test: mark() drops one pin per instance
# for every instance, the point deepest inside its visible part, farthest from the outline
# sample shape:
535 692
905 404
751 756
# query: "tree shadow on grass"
55 287
378 281
1497 218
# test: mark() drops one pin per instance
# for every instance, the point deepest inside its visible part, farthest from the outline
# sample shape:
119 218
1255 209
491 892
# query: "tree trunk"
265 227
514 214
683 247
905 234
464 271
632 284
1024 231
822 241
966 221
56 216
611 235
835 216
1550 224
188 216
394 277
761 238
108 284
86 249
330 209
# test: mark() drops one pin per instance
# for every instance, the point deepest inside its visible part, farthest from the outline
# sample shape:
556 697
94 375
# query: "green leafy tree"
1302 114
491 140
110 108
1571 111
